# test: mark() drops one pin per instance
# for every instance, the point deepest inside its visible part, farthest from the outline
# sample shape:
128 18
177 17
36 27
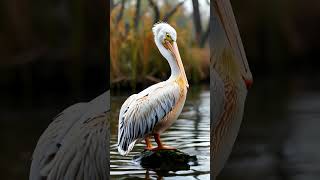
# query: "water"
279 135
278 139
190 133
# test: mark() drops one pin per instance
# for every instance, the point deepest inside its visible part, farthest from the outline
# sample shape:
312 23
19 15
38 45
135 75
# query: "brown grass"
135 57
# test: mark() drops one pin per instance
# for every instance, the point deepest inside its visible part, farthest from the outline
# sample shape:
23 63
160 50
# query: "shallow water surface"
190 133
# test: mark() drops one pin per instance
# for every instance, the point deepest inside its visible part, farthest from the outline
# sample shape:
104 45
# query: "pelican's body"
230 78
155 109
76 144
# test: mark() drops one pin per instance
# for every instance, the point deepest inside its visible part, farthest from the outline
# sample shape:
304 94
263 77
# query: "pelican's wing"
75 145
141 112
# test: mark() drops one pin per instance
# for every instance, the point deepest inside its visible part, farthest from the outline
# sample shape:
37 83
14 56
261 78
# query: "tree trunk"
205 36
197 20
156 11
137 16
121 11
111 4
170 13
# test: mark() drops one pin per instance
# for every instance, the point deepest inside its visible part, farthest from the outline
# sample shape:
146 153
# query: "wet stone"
165 160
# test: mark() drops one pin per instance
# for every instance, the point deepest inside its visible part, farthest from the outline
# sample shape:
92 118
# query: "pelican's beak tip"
247 82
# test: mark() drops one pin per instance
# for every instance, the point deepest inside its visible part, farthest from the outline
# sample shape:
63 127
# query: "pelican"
153 110
230 78
76 144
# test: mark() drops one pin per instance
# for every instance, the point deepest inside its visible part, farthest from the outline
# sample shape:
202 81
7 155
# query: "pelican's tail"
124 148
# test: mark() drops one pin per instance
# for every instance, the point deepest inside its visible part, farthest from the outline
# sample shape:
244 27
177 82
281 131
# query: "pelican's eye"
168 37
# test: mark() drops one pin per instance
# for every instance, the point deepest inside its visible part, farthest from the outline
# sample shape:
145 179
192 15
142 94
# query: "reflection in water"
190 133
301 150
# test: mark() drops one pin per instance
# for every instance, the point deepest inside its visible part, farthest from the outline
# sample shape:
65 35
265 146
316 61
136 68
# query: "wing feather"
141 112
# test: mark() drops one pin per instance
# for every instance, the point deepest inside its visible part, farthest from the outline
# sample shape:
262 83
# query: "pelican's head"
165 37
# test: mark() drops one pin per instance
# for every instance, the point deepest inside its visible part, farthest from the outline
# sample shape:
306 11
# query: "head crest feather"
157 26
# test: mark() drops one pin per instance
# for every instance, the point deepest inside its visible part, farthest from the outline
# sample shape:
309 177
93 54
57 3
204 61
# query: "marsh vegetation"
134 57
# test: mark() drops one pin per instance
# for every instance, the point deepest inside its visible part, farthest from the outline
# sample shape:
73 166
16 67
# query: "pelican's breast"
173 115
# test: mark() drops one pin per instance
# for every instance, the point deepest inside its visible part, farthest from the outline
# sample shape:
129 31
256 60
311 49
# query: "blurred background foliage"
60 45
281 37
55 47
50 52
135 59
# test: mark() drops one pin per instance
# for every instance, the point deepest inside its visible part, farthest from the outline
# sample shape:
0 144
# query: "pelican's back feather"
141 112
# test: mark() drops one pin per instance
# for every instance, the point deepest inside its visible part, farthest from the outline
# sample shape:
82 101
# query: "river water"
279 134
278 138
190 133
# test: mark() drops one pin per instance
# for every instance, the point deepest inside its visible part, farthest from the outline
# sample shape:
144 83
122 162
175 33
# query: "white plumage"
76 143
141 112
153 110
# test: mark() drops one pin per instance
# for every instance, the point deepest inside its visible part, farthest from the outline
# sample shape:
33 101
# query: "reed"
135 58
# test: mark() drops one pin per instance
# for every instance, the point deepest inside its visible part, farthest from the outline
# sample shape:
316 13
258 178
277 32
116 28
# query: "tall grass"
135 58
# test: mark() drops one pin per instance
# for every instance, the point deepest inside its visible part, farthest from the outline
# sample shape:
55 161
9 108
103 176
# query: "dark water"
190 133
279 137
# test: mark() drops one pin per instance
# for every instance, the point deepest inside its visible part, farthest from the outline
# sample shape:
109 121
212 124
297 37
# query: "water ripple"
190 133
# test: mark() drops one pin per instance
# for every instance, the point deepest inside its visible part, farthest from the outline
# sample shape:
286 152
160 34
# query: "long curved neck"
175 70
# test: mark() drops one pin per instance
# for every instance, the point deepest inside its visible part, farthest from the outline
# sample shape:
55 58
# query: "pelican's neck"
175 70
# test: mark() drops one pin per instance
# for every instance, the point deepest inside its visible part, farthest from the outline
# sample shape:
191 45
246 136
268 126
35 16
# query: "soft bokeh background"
279 136
52 54
135 59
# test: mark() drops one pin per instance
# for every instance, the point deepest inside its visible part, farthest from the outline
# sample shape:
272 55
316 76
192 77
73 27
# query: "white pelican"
153 110
76 144
230 78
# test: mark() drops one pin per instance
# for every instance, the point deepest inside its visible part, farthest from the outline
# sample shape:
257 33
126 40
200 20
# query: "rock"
165 160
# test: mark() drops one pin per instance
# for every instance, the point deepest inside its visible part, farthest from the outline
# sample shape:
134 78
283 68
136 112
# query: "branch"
169 14
156 11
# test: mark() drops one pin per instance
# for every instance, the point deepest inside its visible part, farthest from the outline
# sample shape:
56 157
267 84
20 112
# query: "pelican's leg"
148 143
160 145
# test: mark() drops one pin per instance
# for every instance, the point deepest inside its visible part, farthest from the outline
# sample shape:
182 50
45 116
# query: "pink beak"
175 51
